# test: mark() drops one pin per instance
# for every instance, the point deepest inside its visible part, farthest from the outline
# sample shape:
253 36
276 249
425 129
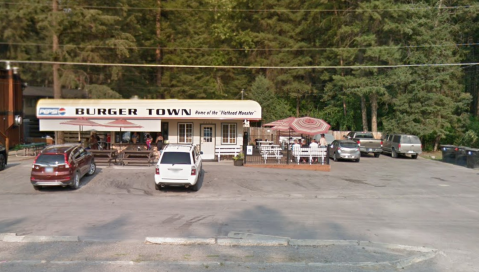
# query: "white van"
179 165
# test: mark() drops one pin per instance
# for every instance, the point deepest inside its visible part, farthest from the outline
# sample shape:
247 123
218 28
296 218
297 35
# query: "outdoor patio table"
136 157
105 155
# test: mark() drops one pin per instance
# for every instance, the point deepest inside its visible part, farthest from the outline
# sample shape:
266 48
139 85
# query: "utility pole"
57 88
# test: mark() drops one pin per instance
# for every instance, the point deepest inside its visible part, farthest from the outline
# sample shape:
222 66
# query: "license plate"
410 152
48 170
370 149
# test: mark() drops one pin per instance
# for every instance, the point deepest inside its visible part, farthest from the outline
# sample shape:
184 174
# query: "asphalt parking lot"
401 201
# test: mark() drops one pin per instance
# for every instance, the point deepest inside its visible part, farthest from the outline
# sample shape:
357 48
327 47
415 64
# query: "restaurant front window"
228 134
185 133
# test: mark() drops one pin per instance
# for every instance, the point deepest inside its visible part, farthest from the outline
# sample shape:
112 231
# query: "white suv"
179 165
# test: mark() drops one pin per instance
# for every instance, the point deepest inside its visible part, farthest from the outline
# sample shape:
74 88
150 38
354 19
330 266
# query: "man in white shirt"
314 144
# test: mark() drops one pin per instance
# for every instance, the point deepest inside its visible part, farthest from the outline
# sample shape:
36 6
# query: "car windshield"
364 136
410 140
349 145
50 159
176 158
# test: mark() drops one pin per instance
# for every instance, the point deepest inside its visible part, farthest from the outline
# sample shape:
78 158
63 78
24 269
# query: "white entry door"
208 142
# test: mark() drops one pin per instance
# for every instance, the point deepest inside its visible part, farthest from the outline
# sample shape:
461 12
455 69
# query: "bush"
238 157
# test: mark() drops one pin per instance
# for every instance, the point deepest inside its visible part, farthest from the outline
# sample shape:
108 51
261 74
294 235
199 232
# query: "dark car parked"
3 157
62 165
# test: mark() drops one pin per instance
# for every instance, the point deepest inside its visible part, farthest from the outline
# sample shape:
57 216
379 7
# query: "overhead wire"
241 66
215 9
253 49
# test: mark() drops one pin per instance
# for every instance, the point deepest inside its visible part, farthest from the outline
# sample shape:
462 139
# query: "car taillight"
381 143
67 164
193 171
359 142
35 160
157 171
399 145
339 148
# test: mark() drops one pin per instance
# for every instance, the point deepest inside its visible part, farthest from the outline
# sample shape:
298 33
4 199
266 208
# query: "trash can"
448 153
472 155
461 157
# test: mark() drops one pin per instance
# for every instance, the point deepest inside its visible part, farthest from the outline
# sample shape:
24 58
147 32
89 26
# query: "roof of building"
48 92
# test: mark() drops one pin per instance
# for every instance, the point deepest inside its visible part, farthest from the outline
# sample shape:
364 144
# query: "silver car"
344 149
402 144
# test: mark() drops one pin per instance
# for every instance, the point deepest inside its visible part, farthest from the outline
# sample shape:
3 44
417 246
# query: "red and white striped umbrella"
81 122
280 122
309 125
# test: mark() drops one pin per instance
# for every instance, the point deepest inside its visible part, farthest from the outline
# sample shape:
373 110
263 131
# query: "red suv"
62 165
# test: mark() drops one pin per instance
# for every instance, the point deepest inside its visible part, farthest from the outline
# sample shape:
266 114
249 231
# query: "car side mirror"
201 152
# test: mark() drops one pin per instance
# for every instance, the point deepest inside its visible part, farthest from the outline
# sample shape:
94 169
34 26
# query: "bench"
310 153
273 152
227 150
104 156
136 157
33 148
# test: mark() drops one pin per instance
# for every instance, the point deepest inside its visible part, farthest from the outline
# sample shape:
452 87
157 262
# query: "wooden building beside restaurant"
11 108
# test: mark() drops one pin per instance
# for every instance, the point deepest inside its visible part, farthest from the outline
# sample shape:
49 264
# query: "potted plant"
238 159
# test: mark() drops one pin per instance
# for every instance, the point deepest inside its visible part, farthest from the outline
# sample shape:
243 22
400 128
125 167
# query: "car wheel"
2 162
195 187
37 188
376 155
76 181
394 154
357 160
92 169
335 158
414 156
157 187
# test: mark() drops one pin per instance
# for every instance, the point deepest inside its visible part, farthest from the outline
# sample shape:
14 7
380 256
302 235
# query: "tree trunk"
364 113
297 105
57 88
374 112
436 142
158 51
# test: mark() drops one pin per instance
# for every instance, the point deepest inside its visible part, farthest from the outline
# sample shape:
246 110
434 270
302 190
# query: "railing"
277 155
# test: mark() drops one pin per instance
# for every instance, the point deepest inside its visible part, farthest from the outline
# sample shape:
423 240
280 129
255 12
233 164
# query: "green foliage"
238 157
101 92
273 108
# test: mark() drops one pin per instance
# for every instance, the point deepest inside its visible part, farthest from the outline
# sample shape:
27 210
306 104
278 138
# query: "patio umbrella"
310 126
279 122
122 123
81 122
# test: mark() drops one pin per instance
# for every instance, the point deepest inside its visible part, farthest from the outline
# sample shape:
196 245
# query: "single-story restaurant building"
207 123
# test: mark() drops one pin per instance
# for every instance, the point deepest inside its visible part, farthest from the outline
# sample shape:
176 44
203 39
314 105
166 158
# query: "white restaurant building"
207 123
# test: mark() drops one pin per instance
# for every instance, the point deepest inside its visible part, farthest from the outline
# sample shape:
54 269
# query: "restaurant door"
208 142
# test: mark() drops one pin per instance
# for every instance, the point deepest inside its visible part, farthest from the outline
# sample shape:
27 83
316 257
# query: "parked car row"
360 143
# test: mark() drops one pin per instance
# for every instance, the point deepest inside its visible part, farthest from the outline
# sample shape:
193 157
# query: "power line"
241 66
253 49
250 10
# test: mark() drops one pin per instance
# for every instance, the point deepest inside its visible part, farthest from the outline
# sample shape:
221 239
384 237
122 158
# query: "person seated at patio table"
134 137
314 144
295 145
304 145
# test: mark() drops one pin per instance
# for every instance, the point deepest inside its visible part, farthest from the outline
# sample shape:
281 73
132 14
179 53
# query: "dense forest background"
390 66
